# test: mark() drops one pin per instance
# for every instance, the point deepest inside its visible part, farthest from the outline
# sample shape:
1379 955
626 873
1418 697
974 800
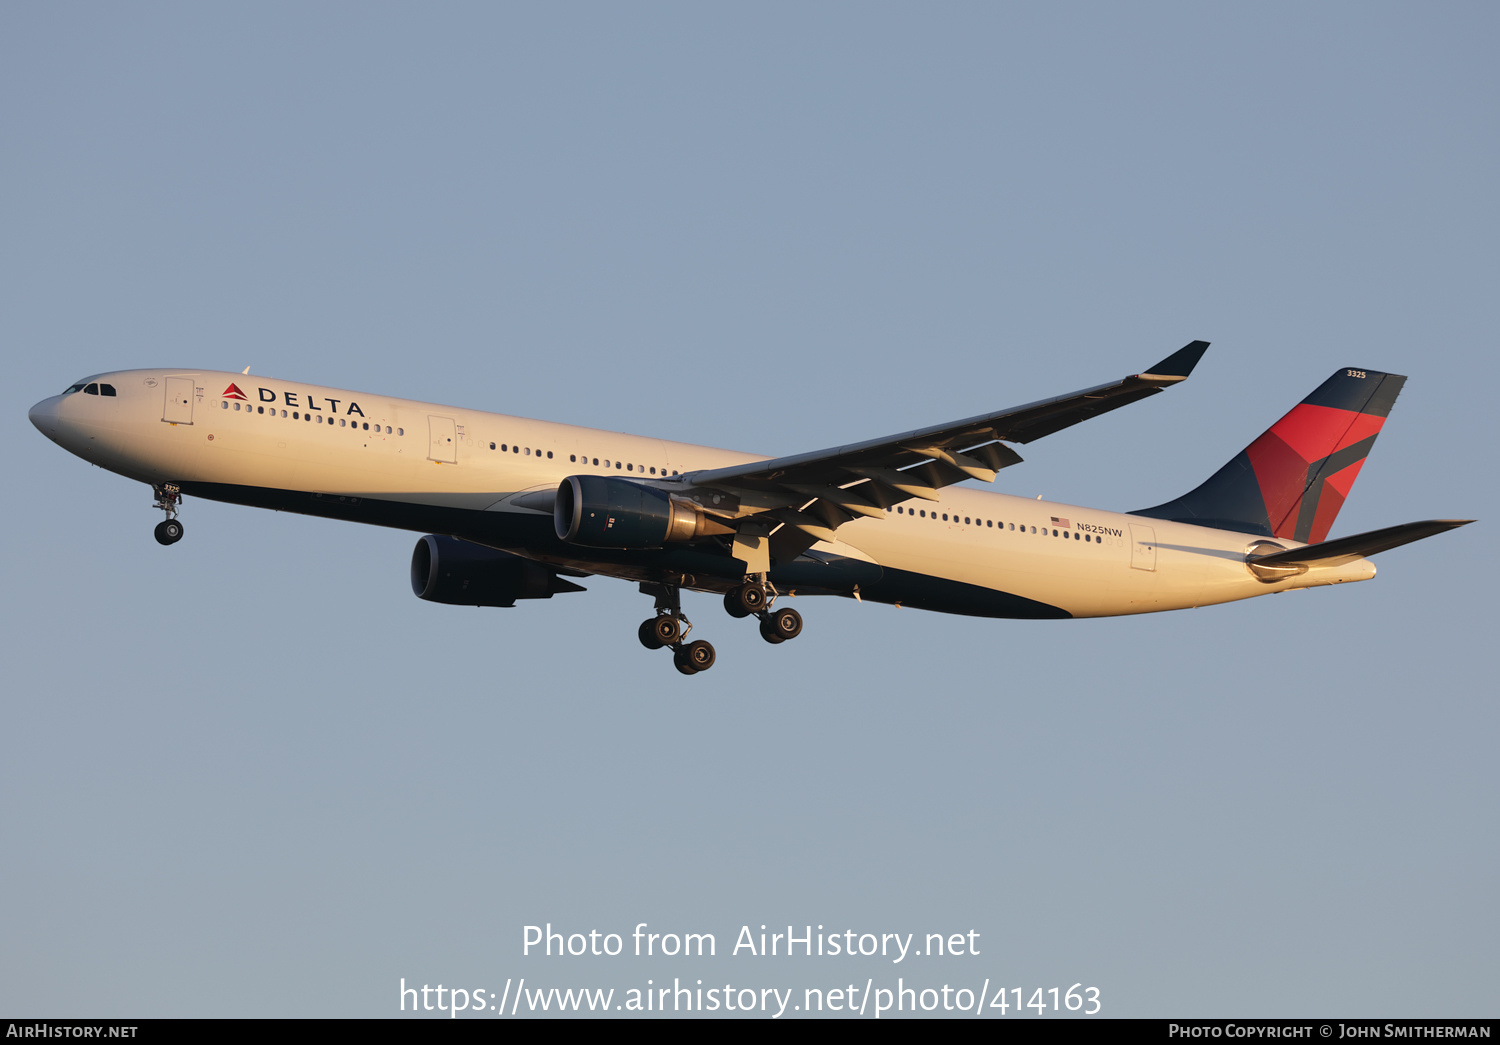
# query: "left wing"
792 502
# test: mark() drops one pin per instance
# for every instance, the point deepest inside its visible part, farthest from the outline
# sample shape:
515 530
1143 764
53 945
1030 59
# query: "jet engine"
600 511
459 573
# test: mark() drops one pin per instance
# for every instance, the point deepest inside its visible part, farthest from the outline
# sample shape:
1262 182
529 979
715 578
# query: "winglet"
1178 365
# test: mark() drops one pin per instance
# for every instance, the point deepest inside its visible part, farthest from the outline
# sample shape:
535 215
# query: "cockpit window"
92 389
74 388
106 390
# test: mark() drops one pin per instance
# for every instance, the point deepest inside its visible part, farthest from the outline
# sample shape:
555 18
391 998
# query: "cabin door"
1142 547
442 440
179 405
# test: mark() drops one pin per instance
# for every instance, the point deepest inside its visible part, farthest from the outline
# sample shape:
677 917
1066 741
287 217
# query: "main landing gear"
669 628
168 497
756 597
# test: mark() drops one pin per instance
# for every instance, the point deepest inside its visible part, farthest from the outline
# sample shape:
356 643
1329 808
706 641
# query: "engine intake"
599 511
459 573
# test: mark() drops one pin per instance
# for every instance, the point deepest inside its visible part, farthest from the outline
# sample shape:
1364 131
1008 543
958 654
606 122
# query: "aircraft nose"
44 415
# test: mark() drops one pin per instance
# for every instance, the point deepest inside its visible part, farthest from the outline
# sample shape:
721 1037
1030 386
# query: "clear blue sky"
252 775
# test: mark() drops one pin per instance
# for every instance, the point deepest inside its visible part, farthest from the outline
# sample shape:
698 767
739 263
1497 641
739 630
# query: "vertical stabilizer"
1292 481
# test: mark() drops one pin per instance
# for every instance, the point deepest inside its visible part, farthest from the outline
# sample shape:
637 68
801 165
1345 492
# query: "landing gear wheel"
168 531
732 604
680 658
666 630
751 599
778 627
786 623
647 634
700 655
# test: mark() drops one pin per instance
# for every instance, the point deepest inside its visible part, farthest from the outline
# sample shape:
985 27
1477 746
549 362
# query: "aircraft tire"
751 597
768 631
667 630
700 655
732 604
680 659
168 531
647 634
786 622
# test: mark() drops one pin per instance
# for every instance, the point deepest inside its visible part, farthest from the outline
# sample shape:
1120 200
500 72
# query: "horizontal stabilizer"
1347 549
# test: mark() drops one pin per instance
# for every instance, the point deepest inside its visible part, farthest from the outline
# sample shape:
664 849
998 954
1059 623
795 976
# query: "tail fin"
1292 481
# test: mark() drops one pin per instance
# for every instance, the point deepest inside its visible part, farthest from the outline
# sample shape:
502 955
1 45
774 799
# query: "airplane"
518 509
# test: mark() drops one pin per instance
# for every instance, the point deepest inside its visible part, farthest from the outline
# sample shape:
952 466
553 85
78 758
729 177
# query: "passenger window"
630 467
549 455
399 431
224 404
296 416
492 446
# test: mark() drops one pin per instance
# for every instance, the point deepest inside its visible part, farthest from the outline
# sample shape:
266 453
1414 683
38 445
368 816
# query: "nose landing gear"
169 531
168 497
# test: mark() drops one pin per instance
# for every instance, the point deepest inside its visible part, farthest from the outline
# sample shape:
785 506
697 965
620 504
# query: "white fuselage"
343 449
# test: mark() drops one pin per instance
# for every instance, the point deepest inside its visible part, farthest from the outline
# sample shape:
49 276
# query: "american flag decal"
1060 522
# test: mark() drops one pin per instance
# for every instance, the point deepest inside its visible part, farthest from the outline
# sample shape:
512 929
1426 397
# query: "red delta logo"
233 392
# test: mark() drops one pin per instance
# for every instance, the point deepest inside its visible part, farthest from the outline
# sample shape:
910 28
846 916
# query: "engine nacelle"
458 573
600 511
